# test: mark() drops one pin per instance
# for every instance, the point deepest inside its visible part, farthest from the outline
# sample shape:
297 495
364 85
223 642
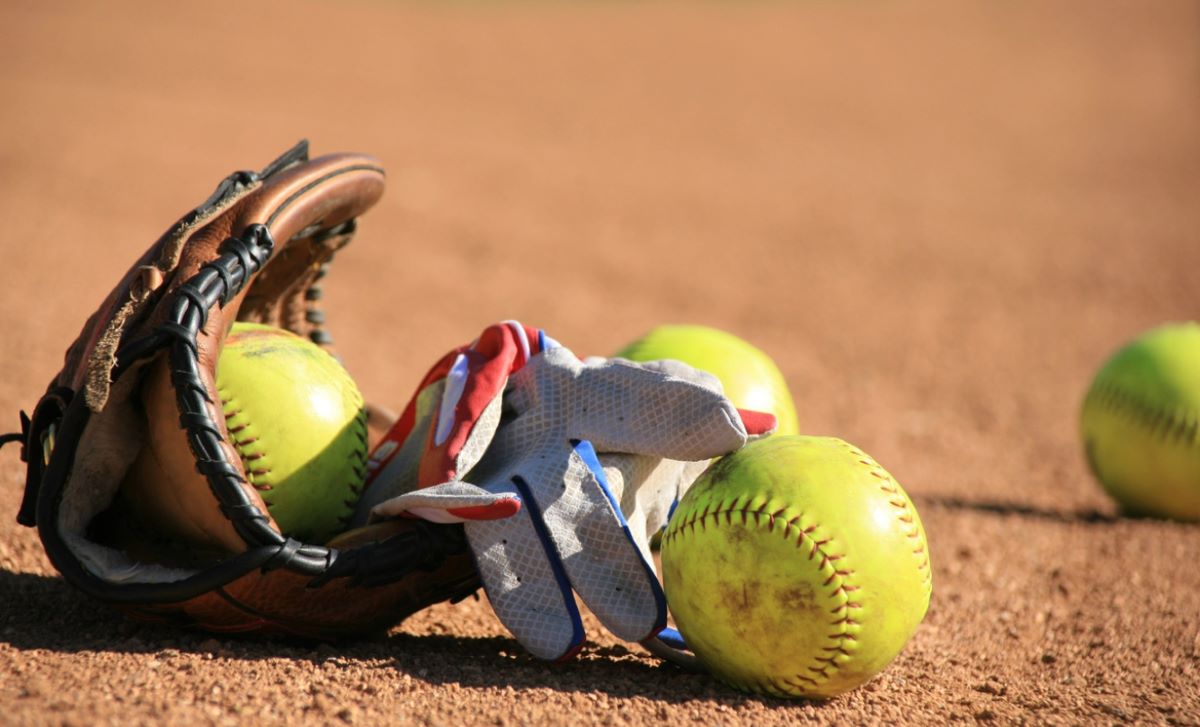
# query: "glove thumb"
450 502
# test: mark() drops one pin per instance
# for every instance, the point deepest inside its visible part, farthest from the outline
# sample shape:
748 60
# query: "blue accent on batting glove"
555 560
587 453
673 638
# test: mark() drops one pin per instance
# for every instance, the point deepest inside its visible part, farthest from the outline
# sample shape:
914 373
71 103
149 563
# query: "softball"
750 378
298 422
1141 424
796 567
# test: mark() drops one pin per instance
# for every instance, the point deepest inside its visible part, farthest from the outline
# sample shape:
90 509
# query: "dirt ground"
939 218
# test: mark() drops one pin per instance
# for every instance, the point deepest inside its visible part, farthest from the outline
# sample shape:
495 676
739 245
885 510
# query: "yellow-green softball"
298 422
750 378
1141 423
796 567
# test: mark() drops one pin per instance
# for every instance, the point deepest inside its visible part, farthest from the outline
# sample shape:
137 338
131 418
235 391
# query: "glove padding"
143 370
572 465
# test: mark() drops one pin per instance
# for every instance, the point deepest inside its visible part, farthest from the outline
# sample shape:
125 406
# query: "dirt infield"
939 218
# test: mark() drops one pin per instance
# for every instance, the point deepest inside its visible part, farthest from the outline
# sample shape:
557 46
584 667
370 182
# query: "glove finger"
669 367
451 502
620 406
670 646
526 583
757 423
604 563
640 410
646 489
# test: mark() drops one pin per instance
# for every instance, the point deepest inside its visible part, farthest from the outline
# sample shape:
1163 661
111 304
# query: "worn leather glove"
560 470
133 478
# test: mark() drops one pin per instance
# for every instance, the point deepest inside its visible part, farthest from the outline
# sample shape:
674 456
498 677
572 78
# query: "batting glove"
559 470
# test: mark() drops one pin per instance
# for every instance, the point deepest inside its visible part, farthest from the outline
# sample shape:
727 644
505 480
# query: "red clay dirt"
939 218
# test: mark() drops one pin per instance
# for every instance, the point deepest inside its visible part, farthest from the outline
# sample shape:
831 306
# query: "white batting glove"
594 454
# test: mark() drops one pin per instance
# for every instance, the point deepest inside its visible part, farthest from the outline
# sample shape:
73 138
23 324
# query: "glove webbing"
218 282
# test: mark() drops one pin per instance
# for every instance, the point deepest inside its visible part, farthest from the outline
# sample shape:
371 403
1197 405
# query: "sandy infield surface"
939 218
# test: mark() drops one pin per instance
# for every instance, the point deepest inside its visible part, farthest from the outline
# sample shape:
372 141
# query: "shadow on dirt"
1000 507
613 671
43 612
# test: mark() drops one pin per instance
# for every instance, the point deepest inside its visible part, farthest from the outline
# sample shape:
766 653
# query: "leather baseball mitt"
143 368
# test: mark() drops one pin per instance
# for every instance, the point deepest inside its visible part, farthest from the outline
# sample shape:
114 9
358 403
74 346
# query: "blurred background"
938 217
934 215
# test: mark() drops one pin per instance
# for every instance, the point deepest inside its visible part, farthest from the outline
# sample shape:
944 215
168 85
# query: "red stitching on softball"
254 477
840 635
907 516
357 485
1181 426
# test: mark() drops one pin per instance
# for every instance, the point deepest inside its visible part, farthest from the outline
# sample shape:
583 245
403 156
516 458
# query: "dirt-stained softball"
796 567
